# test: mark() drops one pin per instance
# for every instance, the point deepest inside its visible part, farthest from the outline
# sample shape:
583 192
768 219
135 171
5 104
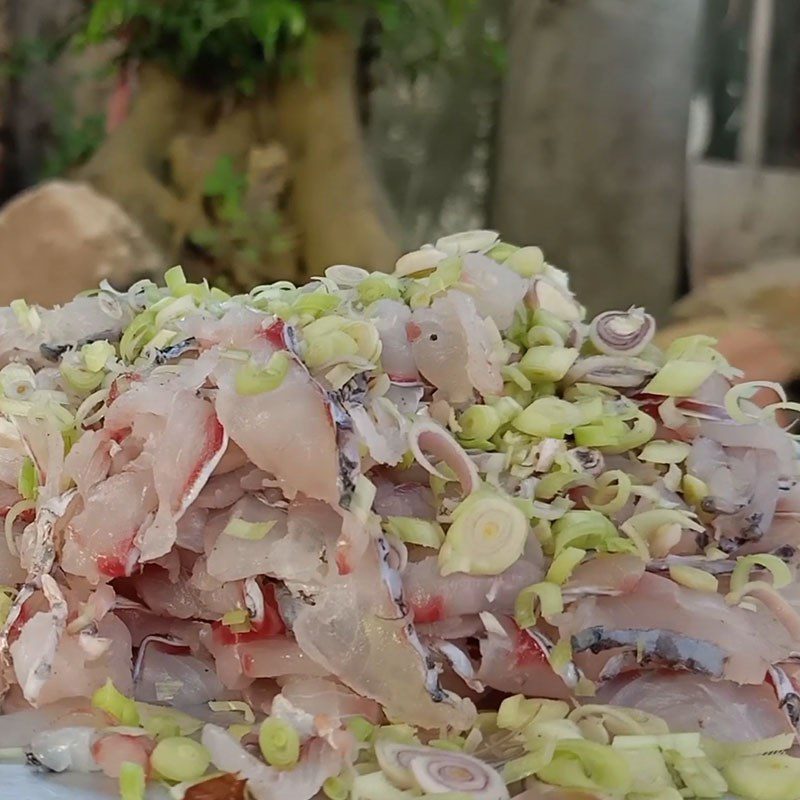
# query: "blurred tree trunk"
307 131
51 98
591 145
5 88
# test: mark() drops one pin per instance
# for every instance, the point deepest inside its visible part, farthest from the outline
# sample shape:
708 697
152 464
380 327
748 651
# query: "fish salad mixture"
429 534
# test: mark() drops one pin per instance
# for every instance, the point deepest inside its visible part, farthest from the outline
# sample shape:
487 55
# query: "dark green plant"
241 238
244 42
73 138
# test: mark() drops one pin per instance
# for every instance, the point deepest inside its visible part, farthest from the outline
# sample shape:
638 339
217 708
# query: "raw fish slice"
233 558
180 679
182 599
75 672
184 441
454 349
89 460
751 640
319 762
287 432
432 597
99 539
719 709
514 662
390 318
354 628
605 574
496 290
322 697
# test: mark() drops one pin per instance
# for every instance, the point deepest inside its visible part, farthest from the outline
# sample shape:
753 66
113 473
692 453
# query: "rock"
753 315
60 238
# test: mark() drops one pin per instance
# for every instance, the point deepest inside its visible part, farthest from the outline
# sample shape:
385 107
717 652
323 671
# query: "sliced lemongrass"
131 781
606 432
768 412
413 530
613 490
767 777
723 752
338 787
526 608
658 451
109 699
563 564
7 595
369 784
515 375
237 616
548 417
587 765
312 305
538 335
506 407
588 530
361 728
686 744
423 260
518 769
234 705
27 317
422 291
622 721
643 429
700 776
694 490
28 479
81 380
781 574
693 578
517 712
547 362
525 261
479 422
649 771
252 379
545 296
179 758
97 354
680 378
467 242
691 346
378 287
346 276
745 391
239 730
622 332
279 743
252 531
556 482
487 535
501 251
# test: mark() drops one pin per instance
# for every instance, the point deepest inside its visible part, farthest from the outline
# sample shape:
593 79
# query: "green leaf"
104 16
270 19
224 179
204 237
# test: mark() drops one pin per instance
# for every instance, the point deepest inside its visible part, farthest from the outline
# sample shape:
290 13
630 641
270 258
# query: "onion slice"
439 771
427 435
616 371
622 332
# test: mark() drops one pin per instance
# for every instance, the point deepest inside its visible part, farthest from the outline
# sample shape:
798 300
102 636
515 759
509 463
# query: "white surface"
23 783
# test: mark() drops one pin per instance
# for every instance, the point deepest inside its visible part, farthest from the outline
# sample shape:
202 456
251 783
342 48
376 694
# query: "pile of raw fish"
386 536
